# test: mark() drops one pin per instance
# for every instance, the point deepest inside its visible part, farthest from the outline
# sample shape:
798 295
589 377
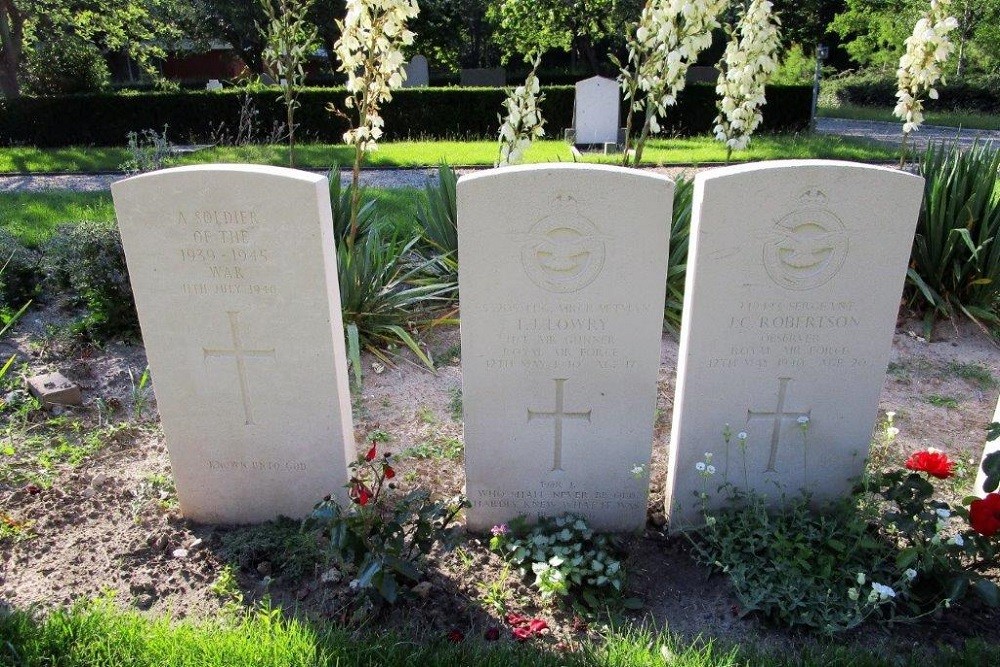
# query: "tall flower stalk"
289 38
668 38
927 49
749 60
373 33
524 121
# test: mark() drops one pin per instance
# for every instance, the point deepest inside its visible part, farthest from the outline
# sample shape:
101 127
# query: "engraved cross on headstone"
557 415
778 416
239 353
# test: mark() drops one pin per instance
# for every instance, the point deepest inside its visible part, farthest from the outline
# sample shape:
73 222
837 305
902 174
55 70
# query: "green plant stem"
643 136
902 150
290 108
359 155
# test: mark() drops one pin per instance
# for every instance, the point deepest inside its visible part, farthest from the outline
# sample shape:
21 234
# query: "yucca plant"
680 230
955 262
438 220
340 203
384 293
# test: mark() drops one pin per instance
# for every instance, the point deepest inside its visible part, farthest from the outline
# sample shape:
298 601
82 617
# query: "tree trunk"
11 45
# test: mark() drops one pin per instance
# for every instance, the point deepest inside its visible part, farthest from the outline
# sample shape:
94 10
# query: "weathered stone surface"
595 111
795 271
235 280
53 389
562 281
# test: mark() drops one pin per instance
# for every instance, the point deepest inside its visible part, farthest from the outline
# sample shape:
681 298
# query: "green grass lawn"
33 216
978 121
98 635
692 150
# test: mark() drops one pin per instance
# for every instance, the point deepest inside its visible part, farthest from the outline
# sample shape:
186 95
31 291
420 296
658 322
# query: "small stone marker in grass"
53 389
992 447
795 271
562 281
235 280
595 111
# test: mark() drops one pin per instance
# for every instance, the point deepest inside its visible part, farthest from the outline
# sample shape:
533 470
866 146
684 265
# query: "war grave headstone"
990 447
235 280
795 271
595 112
562 281
417 73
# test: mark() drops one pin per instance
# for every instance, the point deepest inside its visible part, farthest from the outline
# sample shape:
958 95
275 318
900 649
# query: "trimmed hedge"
439 113
977 94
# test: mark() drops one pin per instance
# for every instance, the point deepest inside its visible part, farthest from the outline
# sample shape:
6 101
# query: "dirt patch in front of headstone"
108 522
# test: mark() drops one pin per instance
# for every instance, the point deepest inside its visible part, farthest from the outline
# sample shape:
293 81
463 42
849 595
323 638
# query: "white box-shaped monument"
596 108
562 281
795 271
235 280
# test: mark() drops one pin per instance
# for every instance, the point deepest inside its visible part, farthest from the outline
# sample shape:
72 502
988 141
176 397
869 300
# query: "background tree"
537 26
875 31
139 28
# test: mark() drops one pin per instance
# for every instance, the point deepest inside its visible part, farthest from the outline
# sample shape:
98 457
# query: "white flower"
710 520
802 420
700 466
852 593
372 33
742 435
524 119
638 471
884 592
861 578
958 541
710 470
749 60
669 36
890 415
708 456
920 66
891 432
910 574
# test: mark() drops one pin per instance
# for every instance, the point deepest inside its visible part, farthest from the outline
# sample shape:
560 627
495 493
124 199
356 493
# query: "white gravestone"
562 281
235 280
596 110
417 74
795 271
991 446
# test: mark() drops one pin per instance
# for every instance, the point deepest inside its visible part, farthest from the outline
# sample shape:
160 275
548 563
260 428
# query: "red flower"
931 462
492 634
516 619
984 515
537 625
522 634
370 456
455 636
388 471
360 493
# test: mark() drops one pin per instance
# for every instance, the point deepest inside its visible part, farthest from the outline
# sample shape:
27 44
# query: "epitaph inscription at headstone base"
562 281
795 271
235 280
595 111
990 447
417 73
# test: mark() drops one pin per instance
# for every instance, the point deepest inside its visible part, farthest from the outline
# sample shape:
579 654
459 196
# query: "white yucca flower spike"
524 121
920 67
369 49
667 40
749 61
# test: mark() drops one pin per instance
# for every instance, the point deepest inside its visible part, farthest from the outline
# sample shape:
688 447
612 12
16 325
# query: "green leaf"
989 592
632 603
386 586
907 557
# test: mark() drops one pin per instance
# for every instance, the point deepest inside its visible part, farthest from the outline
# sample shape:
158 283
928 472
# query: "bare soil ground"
106 520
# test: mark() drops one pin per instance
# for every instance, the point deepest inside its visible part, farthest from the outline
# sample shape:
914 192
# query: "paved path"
893 132
382 178
403 178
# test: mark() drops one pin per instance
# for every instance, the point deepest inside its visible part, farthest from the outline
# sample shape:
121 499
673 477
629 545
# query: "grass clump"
289 551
